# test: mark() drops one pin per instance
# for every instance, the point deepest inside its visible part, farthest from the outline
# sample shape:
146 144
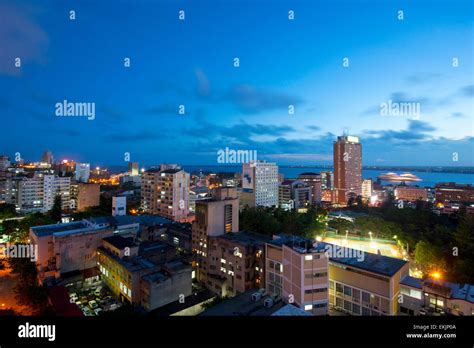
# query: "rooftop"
243 305
64 229
120 242
244 237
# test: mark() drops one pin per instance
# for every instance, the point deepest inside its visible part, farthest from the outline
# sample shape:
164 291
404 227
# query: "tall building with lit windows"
165 192
347 168
214 217
260 181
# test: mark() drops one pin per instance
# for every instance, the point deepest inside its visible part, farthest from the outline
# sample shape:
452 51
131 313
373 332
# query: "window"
308 257
365 297
347 291
355 308
339 302
331 285
365 311
308 307
339 287
347 306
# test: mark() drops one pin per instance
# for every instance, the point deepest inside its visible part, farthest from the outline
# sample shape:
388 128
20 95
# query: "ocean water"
427 178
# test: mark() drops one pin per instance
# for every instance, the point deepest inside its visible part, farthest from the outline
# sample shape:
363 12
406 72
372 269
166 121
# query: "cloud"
301 157
251 100
466 91
203 85
422 77
20 37
144 135
416 131
457 115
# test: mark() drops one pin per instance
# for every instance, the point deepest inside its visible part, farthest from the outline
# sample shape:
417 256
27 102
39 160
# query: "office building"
347 168
55 185
452 192
410 193
294 194
260 180
315 181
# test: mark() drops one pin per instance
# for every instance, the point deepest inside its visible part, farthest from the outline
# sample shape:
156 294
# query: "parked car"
97 311
87 312
93 304
98 291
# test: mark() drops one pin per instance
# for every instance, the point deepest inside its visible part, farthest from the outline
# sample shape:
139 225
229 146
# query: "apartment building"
236 263
297 272
452 192
315 181
84 196
215 216
165 192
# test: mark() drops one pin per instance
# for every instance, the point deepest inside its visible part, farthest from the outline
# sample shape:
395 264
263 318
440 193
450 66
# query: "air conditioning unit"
268 303
256 296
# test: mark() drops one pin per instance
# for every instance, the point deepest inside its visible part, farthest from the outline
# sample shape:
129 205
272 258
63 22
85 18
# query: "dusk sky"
282 62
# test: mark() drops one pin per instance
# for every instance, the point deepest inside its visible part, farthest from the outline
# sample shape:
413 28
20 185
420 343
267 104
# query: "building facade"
347 168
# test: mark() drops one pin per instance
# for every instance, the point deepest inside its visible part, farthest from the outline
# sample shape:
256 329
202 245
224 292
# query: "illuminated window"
308 257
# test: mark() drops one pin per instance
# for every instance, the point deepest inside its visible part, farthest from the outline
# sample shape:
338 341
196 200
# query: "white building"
261 178
83 171
119 206
53 185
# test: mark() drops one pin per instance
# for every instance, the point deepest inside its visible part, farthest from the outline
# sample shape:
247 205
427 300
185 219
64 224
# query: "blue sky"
282 62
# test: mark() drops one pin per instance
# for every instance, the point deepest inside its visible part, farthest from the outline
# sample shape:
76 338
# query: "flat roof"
410 281
243 305
244 237
119 242
64 229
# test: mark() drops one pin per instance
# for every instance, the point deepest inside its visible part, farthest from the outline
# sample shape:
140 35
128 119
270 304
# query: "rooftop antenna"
345 131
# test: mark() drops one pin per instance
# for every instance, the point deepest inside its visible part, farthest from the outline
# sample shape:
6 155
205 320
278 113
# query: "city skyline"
282 63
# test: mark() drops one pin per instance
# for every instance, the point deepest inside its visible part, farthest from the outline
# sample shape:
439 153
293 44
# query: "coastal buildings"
410 193
347 168
452 192
260 183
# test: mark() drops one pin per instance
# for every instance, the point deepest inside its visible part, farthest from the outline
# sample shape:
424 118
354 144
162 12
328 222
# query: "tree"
429 257
56 210
7 211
